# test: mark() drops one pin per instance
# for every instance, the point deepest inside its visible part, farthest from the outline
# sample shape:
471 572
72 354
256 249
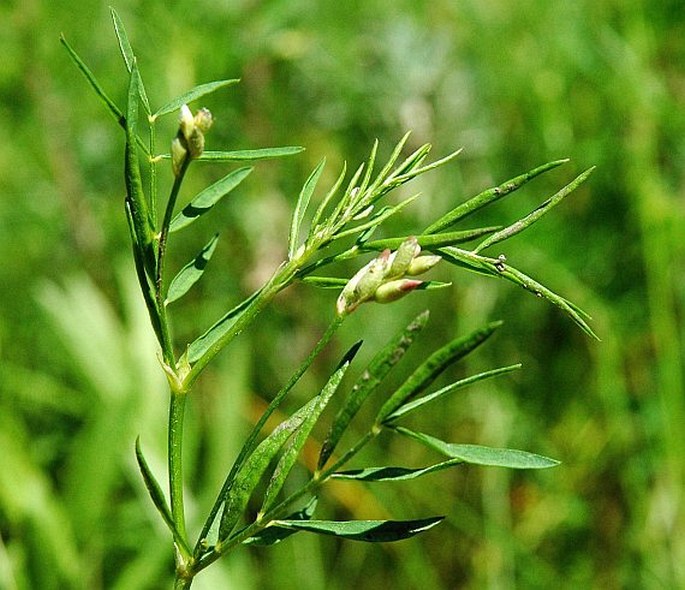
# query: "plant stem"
175 455
167 345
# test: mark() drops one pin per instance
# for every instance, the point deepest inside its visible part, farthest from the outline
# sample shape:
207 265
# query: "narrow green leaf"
416 171
479 455
325 282
429 370
135 194
371 378
426 399
128 55
385 171
258 154
209 197
327 199
487 197
250 442
301 207
113 109
533 216
249 475
370 531
157 496
540 290
289 456
430 241
377 219
393 473
500 268
191 272
202 344
191 95
274 534
143 279
370 163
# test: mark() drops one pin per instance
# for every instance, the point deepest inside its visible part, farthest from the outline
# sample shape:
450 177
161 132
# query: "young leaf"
487 197
371 378
191 272
245 155
127 54
275 534
479 455
287 460
191 95
247 478
532 217
429 370
209 197
157 496
370 531
301 207
421 401
393 473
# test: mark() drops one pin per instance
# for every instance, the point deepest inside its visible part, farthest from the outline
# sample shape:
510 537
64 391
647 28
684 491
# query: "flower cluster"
384 278
190 139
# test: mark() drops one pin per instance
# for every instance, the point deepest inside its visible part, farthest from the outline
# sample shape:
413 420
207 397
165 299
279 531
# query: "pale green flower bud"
190 139
402 258
394 290
362 286
204 120
186 122
178 154
422 264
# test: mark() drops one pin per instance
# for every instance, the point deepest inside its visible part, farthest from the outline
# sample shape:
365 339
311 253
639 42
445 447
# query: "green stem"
175 454
167 345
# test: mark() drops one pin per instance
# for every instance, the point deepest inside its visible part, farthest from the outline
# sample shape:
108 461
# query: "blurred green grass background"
516 84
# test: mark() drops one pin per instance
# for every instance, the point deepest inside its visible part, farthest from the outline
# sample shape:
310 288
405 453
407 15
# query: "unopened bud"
422 264
403 257
362 286
204 120
178 154
186 122
394 290
190 139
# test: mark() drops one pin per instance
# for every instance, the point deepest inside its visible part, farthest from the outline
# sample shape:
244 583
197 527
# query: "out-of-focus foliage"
516 84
